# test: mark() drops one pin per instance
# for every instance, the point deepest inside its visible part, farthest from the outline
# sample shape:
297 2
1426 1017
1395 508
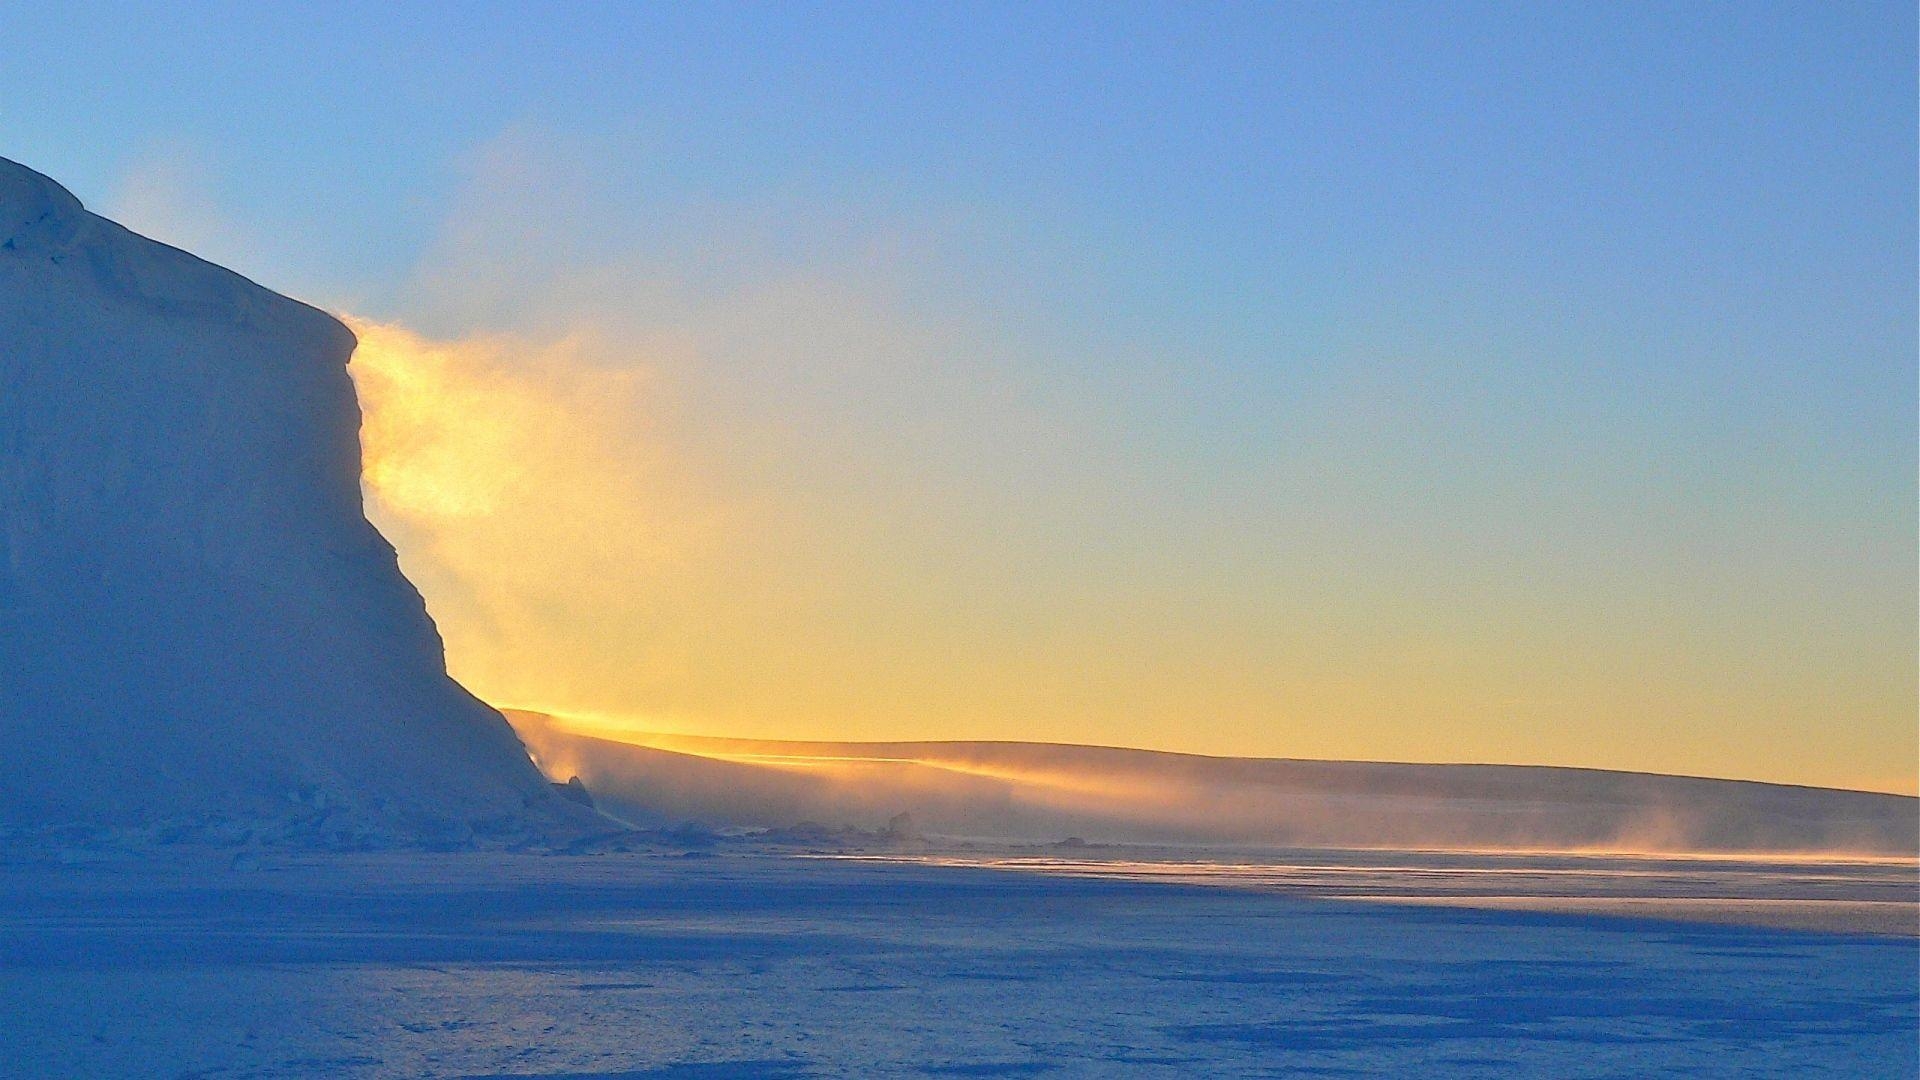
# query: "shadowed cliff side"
197 622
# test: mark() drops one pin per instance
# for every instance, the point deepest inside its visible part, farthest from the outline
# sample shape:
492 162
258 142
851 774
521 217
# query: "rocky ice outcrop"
197 622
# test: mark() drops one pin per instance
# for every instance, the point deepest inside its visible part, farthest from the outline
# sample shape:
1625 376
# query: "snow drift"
1040 791
196 619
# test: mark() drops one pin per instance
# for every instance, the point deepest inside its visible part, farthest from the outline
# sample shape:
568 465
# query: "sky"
1456 382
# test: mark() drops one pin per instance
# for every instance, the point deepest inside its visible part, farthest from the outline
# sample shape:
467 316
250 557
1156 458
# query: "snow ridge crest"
36 214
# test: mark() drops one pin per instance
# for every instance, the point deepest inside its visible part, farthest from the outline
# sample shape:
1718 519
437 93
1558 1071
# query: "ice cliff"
197 622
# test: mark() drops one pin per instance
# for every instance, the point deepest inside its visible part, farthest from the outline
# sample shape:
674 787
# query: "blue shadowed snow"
757 965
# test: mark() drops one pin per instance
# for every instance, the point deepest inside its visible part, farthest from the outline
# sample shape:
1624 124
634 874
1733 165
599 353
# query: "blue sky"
1429 381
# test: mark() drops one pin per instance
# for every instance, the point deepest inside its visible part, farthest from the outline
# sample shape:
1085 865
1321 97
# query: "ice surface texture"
635 966
196 619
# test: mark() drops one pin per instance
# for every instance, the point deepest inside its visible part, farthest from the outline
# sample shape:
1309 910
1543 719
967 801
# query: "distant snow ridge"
199 629
1042 791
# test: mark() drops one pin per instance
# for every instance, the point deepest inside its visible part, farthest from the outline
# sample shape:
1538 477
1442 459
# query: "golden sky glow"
587 549
1472 392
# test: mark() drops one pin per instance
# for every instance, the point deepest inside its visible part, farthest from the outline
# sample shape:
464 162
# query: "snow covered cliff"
197 622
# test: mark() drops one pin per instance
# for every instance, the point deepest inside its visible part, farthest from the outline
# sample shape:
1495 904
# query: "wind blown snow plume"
519 481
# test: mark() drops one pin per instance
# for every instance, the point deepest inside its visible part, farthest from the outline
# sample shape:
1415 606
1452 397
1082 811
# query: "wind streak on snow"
1872 895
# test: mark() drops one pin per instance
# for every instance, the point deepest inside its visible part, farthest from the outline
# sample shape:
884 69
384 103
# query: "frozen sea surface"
766 965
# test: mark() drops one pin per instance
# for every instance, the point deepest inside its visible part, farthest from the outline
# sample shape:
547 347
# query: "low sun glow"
436 441
514 477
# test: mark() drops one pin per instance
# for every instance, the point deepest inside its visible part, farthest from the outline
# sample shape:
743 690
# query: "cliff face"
196 617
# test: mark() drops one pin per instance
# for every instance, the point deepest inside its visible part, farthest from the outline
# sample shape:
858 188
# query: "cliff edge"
197 621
